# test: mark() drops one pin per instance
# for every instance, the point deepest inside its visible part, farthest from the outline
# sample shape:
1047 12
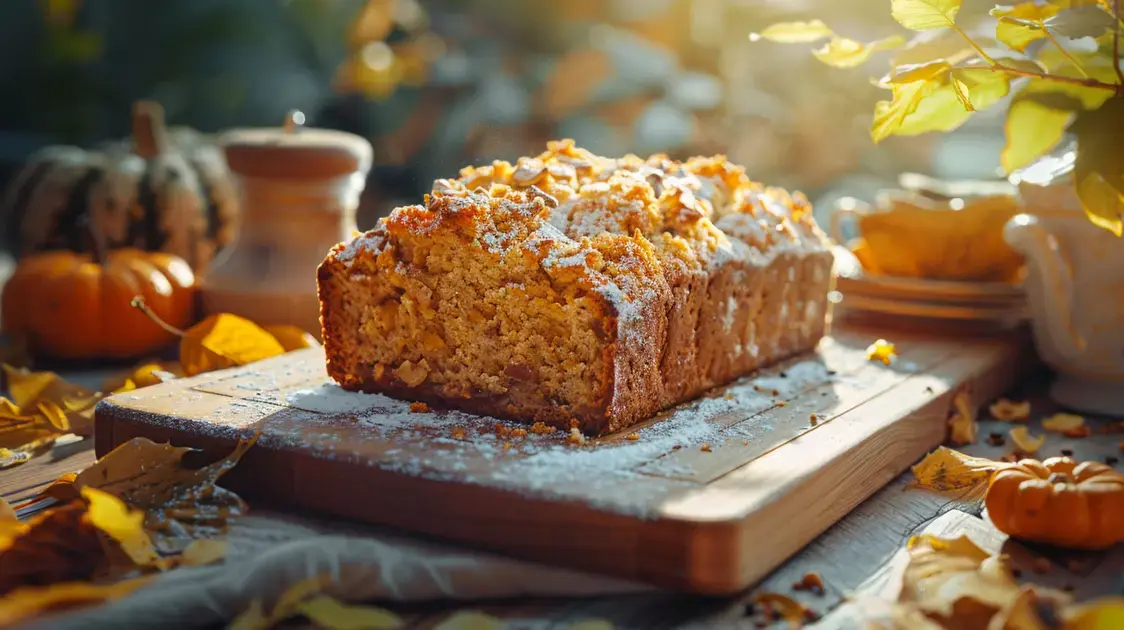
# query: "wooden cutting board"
708 497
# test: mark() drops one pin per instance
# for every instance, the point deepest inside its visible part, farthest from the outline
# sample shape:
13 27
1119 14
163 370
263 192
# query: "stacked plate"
996 304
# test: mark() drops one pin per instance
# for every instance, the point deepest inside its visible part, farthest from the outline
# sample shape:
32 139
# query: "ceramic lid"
294 151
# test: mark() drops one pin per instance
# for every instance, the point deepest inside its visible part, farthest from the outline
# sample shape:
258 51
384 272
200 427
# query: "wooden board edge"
710 554
558 532
729 555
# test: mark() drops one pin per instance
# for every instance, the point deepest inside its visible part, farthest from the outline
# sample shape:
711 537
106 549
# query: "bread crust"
576 290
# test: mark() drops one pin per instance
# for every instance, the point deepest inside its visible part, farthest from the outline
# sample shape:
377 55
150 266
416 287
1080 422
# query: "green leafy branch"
943 74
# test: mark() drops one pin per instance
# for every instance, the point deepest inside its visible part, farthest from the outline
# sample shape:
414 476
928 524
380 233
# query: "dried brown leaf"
782 606
954 582
182 504
1026 443
60 545
1010 410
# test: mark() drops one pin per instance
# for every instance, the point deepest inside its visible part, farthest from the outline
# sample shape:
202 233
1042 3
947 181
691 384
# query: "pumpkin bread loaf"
570 287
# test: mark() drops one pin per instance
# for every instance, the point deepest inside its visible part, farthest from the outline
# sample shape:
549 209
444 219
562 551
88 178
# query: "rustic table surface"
851 556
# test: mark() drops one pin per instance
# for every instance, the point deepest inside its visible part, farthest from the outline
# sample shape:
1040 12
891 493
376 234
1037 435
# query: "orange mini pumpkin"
1060 502
77 306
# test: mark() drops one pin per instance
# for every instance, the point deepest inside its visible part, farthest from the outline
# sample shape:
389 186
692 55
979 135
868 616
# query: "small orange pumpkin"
1060 502
68 305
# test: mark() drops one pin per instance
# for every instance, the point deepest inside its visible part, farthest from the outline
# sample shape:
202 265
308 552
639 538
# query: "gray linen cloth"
265 555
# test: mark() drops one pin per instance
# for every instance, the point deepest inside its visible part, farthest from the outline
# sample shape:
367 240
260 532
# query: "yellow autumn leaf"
55 415
182 504
889 115
253 618
1103 202
1096 65
1026 443
6 511
960 89
1099 169
953 583
956 581
25 603
328 613
203 552
223 341
256 618
787 608
43 408
144 375
1021 24
1063 422
27 387
842 52
1032 130
22 454
128 386
919 72
923 15
794 32
10 530
61 489
291 337
942 109
469 620
963 428
1010 410
220 341
10 525
1100 614
882 351
64 406
9 410
126 526
945 469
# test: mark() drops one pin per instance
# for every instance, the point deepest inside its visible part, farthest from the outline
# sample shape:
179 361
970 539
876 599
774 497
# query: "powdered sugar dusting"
350 250
331 398
461 447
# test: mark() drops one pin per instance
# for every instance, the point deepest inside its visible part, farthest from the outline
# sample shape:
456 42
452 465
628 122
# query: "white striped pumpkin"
160 191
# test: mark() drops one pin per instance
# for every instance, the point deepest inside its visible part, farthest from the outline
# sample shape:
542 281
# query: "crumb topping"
567 194
615 227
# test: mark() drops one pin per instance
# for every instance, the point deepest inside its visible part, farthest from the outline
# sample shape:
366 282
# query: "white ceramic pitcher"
1075 289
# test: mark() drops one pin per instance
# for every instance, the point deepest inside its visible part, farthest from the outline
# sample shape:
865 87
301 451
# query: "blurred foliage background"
438 84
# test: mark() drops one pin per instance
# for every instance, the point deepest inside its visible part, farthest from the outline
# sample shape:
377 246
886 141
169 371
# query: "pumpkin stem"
150 136
139 304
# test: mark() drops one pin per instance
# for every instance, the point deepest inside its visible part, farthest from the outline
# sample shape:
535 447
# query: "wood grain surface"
711 519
